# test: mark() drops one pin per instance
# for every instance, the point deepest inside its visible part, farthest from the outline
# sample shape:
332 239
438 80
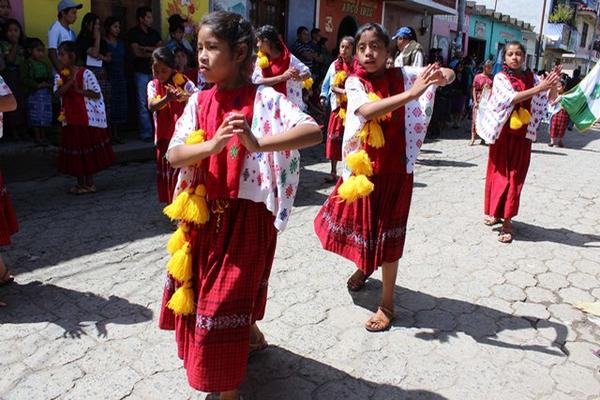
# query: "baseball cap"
403 32
66 4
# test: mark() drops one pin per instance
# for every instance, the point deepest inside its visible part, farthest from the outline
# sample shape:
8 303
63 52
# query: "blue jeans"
144 118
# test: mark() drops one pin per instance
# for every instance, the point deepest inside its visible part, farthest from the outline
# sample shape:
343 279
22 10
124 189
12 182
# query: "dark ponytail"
269 33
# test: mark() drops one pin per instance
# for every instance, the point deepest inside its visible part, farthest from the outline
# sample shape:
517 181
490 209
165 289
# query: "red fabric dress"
508 162
335 130
84 149
558 124
372 230
8 218
278 66
232 257
166 176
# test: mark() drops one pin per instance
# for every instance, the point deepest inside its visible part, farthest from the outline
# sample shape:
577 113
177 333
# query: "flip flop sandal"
79 190
505 237
355 283
91 189
388 314
491 221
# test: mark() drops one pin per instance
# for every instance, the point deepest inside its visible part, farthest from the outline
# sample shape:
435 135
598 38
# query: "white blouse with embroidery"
95 109
271 177
4 91
417 115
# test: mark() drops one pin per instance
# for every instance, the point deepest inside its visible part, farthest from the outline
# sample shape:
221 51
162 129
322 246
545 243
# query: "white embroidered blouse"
4 91
270 178
95 109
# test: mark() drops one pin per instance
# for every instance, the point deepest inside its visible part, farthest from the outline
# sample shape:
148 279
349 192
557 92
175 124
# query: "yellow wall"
195 11
39 15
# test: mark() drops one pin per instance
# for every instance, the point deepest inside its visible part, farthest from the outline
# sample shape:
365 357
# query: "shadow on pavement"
447 317
445 163
277 374
532 233
546 152
37 302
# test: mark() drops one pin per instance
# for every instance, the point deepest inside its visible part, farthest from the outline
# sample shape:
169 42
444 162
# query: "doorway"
348 27
477 48
269 12
125 10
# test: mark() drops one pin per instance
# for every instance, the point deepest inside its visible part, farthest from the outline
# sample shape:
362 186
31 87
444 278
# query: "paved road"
475 319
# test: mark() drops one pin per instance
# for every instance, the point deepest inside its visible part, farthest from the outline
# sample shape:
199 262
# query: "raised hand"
222 135
242 129
430 75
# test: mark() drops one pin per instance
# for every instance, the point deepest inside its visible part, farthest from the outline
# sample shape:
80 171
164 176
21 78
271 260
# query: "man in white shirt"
410 52
59 31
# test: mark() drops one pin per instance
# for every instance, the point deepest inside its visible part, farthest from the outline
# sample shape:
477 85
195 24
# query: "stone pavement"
475 319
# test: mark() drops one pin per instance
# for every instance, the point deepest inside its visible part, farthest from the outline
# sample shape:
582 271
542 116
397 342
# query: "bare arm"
338 90
8 103
274 80
548 82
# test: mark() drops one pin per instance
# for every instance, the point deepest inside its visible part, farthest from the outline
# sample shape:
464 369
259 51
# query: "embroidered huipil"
93 108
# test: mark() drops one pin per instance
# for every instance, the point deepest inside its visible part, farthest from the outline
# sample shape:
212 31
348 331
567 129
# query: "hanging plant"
562 14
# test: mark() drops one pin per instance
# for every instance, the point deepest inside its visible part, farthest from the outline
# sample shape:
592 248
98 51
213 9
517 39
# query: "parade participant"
8 219
277 67
559 121
167 98
239 175
339 70
509 122
85 147
481 81
364 219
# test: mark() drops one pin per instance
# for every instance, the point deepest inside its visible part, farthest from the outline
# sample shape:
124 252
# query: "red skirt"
8 218
507 169
335 136
232 255
166 176
84 150
371 230
558 124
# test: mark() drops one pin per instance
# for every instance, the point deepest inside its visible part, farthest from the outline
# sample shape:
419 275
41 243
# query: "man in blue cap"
410 52
59 31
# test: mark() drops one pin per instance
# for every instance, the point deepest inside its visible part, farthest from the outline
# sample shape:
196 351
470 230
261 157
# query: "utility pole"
539 41
462 10
492 30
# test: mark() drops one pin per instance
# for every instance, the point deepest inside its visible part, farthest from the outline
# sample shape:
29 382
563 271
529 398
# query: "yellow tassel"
178 79
176 208
178 239
196 210
182 301
263 60
180 265
308 83
515 121
359 163
524 115
65 72
197 136
375 138
342 114
374 97
62 117
354 188
59 82
342 98
339 78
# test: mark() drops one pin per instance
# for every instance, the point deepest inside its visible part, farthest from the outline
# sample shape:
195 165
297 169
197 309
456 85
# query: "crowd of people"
227 132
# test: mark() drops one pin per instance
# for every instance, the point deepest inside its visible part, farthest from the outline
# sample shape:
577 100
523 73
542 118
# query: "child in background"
559 121
37 82
8 219
166 100
116 75
12 48
85 147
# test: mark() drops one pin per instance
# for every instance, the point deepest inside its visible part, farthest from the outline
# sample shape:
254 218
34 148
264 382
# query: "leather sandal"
357 281
378 322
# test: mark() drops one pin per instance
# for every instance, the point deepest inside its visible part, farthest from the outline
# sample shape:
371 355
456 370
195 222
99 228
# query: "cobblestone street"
475 319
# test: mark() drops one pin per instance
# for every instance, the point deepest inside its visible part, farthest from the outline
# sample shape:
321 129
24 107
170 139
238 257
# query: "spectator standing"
302 49
93 53
143 40
12 49
5 10
177 34
410 52
459 90
37 81
115 67
482 80
60 30
318 48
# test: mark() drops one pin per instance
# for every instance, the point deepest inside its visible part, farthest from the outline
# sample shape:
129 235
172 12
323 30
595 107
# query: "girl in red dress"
237 182
167 98
364 219
510 151
85 147
339 70
481 81
559 121
8 219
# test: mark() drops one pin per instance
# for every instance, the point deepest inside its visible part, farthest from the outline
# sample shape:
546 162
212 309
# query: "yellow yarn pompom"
342 98
339 78
524 115
176 209
180 265
59 82
182 301
515 121
373 96
197 136
308 83
373 134
178 239
179 79
354 188
196 210
359 163
263 60
65 72
62 117
342 114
